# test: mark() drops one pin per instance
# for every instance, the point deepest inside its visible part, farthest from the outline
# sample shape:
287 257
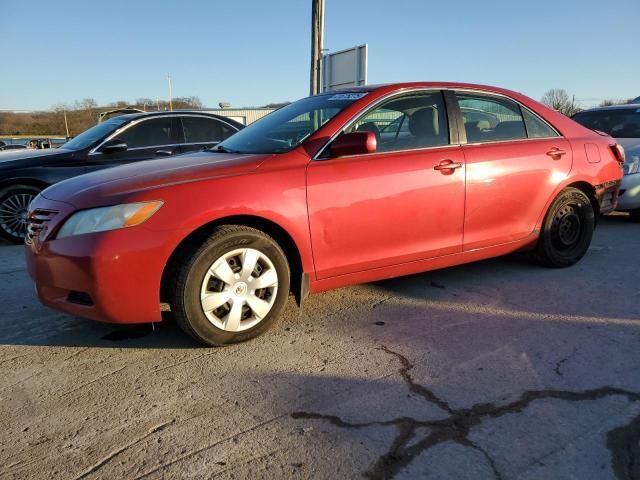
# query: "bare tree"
276 105
188 102
85 104
559 100
610 102
81 115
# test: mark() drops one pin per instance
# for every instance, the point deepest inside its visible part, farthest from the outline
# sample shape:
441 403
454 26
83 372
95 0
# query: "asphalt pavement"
500 370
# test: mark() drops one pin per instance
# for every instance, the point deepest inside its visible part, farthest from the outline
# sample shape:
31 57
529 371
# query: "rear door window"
536 127
204 130
490 118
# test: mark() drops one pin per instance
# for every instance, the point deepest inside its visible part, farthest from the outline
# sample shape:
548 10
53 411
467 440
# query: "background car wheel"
567 229
232 287
635 215
14 206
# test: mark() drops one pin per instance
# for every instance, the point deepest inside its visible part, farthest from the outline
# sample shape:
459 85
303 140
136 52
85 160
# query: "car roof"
164 113
627 106
419 84
135 116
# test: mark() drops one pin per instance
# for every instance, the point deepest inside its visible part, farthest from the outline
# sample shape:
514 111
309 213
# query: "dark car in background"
622 122
12 146
119 140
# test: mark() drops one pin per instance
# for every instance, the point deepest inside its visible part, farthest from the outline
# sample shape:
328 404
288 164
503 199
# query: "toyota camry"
336 189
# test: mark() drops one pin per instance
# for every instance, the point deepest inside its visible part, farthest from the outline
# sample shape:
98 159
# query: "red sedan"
331 190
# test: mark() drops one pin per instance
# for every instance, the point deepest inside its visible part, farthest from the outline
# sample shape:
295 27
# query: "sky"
254 52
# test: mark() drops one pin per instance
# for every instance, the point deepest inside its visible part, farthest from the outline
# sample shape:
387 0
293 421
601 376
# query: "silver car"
622 122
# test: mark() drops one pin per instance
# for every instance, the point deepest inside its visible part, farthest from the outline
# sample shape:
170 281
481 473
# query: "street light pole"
66 125
170 93
317 45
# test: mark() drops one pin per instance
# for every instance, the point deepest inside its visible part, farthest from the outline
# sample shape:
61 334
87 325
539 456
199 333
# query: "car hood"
110 184
25 157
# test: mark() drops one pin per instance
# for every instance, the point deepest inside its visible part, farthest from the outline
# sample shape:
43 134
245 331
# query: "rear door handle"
556 153
166 153
446 167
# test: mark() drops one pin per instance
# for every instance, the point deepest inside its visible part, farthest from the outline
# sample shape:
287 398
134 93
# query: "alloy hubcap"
239 289
14 211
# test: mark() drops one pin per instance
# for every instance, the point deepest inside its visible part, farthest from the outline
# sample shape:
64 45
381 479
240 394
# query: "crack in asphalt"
558 365
623 442
416 388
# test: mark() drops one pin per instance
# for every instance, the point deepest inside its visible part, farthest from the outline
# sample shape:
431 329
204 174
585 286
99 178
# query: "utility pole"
317 45
170 93
66 125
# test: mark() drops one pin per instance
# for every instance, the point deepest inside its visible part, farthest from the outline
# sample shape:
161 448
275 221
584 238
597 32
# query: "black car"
123 139
12 146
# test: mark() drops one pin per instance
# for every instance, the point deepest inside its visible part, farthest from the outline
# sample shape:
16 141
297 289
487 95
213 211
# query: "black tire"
14 201
635 215
194 265
567 230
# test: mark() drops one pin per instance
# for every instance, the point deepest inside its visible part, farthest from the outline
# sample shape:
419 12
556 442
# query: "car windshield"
98 132
619 123
286 128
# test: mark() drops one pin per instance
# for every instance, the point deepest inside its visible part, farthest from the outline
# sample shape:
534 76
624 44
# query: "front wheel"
14 207
567 229
232 287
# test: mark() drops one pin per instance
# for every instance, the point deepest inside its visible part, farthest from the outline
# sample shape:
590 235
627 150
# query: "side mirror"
113 146
354 143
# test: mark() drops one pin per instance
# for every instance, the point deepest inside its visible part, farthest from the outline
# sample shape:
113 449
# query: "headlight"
108 218
633 166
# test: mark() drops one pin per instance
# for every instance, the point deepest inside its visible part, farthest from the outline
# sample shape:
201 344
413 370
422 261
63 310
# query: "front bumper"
629 196
109 276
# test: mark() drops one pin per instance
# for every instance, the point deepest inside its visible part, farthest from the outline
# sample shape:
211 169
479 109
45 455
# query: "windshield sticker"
347 96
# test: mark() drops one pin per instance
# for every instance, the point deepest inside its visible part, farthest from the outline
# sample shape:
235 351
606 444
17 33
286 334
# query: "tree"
276 105
188 102
85 104
81 114
559 100
611 102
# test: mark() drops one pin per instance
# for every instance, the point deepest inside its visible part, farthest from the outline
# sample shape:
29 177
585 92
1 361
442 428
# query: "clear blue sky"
252 52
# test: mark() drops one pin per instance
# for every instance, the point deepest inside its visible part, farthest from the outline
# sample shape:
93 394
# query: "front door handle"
556 153
446 167
166 153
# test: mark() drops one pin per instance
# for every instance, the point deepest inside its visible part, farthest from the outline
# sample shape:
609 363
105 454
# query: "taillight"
618 153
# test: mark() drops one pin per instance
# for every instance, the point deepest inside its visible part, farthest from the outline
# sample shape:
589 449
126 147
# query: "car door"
395 205
146 139
514 161
201 131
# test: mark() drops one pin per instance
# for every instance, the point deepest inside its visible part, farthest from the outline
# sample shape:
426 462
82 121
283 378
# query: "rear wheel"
635 215
232 287
567 229
14 207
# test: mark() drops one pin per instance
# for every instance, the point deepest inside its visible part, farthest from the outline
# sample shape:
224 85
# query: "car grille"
36 223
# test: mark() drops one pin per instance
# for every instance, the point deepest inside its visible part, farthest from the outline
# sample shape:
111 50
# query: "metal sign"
346 68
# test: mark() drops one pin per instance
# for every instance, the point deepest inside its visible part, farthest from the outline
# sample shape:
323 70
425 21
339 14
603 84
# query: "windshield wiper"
221 148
